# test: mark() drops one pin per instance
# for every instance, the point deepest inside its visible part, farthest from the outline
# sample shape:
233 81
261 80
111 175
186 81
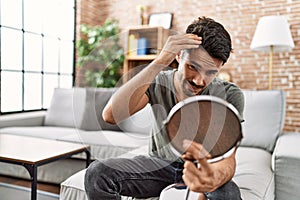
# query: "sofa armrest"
286 161
23 119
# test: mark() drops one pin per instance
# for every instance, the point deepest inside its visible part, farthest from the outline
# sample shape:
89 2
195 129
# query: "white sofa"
260 172
74 115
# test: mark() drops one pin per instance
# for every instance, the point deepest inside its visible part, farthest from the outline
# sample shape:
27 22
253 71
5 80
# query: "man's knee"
94 179
89 178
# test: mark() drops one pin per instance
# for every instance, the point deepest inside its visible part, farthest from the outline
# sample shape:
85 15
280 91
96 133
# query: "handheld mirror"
207 120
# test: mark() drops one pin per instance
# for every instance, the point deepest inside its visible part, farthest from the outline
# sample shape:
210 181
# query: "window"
36 52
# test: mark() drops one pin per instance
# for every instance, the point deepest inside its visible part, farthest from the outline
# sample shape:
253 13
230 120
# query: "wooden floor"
53 188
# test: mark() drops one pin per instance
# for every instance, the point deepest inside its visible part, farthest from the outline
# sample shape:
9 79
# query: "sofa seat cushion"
46 132
107 144
254 175
73 187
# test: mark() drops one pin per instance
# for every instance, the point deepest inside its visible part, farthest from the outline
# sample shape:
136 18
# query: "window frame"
42 72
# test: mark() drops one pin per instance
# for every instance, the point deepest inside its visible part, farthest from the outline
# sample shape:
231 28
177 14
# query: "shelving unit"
156 38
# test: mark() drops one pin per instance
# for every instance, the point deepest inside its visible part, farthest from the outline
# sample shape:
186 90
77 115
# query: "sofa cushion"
286 160
79 108
254 175
107 144
35 118
141 122
82 108
264 115
46 132
96 99
67 107
73 188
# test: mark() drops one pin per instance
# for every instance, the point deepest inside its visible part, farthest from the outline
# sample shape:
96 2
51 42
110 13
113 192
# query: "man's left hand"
201 178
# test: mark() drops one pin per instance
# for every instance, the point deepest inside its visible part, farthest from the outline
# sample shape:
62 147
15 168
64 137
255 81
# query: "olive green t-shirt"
161 93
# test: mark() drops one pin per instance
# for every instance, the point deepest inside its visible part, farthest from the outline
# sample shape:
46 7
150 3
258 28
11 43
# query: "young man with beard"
201 53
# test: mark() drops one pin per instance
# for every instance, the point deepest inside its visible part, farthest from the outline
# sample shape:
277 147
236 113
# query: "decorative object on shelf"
161 19
100 54
132 44
142 46
272 34
141 9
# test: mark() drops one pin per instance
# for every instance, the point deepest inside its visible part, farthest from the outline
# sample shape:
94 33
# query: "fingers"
195 151
196 179
188 156
190 173
185 41
188 39
175 44
191 36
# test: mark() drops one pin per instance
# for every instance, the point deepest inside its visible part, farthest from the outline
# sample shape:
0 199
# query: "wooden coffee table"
32 152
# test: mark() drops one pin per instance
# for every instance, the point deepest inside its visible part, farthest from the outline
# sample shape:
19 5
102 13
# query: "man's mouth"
192 87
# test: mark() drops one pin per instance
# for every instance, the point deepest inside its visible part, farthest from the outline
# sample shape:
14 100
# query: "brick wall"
249 69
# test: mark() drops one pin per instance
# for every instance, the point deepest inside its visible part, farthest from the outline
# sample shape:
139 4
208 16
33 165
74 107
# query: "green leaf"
100 44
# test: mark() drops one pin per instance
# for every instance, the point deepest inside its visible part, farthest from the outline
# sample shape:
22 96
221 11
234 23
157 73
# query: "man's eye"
191 67
212 73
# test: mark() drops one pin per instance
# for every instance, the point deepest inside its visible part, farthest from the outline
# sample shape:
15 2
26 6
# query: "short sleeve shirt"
161 93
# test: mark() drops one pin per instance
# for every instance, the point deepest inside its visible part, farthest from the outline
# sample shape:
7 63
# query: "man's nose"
199 79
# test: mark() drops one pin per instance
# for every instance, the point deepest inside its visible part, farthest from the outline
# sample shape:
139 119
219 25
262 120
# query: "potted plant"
100 54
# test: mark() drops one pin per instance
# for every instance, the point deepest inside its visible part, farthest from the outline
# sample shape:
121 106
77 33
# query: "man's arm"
131 97
209 176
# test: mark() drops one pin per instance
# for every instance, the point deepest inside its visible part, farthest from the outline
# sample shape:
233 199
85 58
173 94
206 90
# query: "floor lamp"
272 34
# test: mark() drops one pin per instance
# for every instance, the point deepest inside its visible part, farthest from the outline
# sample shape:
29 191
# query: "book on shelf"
132 45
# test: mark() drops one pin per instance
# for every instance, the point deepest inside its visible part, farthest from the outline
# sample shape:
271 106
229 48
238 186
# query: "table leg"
32 169
88 157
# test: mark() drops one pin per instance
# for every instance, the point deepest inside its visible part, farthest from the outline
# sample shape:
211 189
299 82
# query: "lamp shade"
272 31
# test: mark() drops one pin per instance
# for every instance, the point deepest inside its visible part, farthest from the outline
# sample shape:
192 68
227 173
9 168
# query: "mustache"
195 85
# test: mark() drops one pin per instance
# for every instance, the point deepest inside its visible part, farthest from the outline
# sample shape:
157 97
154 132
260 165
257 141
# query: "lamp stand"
271 66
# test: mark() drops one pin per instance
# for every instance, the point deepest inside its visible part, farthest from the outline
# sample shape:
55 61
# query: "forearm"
131 97
225 170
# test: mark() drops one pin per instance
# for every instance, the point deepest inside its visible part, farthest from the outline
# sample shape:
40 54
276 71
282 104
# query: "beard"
185 85
189 88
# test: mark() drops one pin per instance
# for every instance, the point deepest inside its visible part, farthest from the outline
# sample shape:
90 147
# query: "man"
201 53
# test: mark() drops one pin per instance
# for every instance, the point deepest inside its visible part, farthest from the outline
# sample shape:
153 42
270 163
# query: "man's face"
196 70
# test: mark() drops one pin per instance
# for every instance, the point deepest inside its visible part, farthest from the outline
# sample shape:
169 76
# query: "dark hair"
215 39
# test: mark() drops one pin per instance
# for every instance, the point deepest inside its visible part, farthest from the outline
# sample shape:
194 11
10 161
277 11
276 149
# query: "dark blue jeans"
140 177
